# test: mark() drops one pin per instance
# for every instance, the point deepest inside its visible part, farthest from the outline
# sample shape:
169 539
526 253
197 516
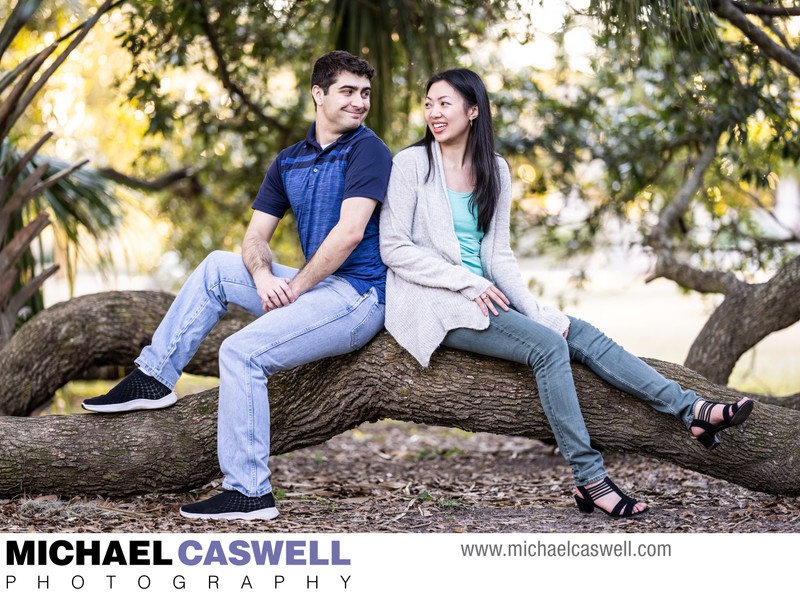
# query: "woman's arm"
505 270
409 261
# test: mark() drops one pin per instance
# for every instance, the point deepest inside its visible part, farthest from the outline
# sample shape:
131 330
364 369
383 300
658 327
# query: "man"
333 181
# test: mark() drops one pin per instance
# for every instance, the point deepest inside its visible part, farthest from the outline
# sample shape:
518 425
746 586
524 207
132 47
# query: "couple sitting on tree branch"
438 217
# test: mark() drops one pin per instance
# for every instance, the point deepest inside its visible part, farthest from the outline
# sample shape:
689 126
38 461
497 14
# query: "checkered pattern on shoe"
232 505
137 391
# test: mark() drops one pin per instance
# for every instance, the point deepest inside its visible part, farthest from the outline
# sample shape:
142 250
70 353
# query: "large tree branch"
105 329
746 316
175 449
728 10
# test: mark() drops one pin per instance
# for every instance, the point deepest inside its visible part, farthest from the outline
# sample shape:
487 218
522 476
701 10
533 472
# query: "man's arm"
273 291
337 246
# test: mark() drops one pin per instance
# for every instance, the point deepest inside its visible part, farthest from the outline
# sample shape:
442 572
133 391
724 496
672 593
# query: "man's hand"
274 291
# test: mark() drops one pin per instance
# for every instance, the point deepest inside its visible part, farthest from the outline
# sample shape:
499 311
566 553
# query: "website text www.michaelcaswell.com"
566 549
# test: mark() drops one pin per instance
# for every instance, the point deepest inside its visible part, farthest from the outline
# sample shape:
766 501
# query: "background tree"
694 118
225 85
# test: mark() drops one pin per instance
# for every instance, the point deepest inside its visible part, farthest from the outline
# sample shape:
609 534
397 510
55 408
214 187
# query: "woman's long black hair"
480 143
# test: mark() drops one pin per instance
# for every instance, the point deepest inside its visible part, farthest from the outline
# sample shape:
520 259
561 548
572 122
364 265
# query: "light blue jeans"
330 319
515 337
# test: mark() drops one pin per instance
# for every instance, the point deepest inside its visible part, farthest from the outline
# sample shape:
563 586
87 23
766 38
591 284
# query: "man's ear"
317 93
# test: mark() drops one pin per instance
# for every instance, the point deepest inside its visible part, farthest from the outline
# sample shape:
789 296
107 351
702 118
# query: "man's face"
346 104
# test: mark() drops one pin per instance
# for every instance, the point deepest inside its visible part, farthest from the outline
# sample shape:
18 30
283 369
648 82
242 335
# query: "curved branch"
667 265
730 12
748 314
767 9
94 330
689 277
159 183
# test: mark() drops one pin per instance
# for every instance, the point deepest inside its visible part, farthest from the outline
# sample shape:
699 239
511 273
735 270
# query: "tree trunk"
174 449
68 339
748 314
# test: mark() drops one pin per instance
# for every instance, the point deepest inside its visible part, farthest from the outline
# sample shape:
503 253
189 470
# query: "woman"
453 280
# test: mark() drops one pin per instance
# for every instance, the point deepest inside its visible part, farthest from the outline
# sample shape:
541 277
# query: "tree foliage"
225 85
33 187
647 122
675 149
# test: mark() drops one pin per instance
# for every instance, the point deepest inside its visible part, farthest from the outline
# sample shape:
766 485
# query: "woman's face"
447 114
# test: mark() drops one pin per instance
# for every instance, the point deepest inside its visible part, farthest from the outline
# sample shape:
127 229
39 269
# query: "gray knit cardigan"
428 290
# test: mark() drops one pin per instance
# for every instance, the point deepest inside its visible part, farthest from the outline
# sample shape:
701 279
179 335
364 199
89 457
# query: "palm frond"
82 203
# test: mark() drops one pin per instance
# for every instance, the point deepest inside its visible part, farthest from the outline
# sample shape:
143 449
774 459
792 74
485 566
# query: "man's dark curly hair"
328 67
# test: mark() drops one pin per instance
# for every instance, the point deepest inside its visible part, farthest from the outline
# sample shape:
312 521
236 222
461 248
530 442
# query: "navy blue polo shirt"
314 182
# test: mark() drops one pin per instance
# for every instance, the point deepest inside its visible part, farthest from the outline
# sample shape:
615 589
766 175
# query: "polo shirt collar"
311 137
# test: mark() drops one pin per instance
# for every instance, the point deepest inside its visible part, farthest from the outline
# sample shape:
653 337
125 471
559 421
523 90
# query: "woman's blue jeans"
330 319
514 337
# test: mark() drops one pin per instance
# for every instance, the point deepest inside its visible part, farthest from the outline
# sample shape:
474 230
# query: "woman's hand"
484 300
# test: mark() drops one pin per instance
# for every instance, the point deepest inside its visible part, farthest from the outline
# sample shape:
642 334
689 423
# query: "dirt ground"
398 477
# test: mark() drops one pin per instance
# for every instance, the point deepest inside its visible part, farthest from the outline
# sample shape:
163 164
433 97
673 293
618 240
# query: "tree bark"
174 449
63 342
748 314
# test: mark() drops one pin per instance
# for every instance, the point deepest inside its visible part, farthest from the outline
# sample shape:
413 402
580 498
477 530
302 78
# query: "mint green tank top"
465 222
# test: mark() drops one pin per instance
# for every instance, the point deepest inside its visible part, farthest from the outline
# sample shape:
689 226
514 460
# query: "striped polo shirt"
314 182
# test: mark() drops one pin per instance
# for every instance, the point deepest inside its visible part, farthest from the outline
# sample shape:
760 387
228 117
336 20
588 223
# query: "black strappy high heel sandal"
732 415
623 509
